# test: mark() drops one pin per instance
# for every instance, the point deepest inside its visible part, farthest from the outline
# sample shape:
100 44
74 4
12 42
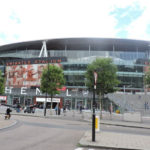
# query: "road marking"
79 148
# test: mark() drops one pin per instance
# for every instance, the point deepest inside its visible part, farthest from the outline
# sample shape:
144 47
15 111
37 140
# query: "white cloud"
138 28
45 19
55 18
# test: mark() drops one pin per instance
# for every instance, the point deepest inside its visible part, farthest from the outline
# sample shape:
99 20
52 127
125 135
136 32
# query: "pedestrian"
8 115
64 109
18 108
147 106
59 110
110 108
80 108
56 109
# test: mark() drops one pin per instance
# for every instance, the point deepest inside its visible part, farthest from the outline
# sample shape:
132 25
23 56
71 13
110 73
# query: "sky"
26 20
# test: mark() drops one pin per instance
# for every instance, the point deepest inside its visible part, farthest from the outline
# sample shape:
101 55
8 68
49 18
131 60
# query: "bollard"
97 124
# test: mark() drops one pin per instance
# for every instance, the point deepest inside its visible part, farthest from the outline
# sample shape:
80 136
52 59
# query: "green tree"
52 79
147 79
2 82
107 77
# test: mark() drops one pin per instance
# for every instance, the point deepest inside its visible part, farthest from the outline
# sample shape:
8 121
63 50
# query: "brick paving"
116 140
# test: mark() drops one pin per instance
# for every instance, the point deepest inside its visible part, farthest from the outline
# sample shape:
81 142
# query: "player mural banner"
25 75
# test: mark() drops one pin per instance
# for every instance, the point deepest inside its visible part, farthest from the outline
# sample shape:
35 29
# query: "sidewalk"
6 123
116 141
113 140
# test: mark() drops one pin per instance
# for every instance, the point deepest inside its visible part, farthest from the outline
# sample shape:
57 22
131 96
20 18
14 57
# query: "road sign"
95 79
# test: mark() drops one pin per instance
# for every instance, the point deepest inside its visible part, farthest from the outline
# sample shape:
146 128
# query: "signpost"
93 116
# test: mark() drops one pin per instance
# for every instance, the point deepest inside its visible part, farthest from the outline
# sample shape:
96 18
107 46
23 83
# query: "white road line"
79 148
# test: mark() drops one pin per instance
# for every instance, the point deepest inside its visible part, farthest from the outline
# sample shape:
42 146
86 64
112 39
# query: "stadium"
22 64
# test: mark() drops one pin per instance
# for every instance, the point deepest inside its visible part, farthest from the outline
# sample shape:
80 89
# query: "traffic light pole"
93 116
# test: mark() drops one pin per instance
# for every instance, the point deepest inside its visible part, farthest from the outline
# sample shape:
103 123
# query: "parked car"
29 109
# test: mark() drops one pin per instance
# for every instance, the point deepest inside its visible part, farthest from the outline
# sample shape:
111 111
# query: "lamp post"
93 116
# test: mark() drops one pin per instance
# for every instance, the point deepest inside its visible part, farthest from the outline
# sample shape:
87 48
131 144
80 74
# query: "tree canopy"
52 79
147 78
107 77
2 82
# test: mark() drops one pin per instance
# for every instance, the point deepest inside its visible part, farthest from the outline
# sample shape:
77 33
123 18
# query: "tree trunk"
101 97
51 105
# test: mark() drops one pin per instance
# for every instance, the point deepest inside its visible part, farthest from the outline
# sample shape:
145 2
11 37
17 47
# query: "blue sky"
25 20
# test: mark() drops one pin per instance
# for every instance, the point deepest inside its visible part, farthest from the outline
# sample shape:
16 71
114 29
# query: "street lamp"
93 116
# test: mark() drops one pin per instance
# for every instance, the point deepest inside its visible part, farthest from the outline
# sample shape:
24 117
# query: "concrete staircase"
129 101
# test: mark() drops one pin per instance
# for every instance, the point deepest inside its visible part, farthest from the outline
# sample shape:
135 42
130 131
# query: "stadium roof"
81 44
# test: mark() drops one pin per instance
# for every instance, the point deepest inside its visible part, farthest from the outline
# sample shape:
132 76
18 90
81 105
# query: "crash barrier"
132 116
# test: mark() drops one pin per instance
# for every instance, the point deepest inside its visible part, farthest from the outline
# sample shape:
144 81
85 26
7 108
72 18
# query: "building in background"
22 65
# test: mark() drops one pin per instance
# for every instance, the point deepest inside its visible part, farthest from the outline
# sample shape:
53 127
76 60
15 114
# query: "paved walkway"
116 141
113 140
6 123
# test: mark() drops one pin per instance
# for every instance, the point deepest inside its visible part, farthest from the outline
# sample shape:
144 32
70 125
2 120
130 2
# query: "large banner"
24 75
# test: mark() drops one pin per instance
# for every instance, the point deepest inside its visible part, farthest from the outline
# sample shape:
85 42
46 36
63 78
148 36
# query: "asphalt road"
34 133
52 134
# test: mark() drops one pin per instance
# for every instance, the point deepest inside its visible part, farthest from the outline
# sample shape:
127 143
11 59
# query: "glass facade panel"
21 53
129 72
129 68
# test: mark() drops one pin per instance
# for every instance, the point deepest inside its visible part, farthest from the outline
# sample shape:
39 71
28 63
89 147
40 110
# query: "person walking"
56 109
59 109
8 115
80 109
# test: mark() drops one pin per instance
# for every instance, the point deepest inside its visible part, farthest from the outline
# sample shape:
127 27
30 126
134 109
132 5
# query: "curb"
104 147
86 142
124 125
10 125
131 125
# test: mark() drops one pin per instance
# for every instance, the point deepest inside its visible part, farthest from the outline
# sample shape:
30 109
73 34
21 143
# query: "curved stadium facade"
22 65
